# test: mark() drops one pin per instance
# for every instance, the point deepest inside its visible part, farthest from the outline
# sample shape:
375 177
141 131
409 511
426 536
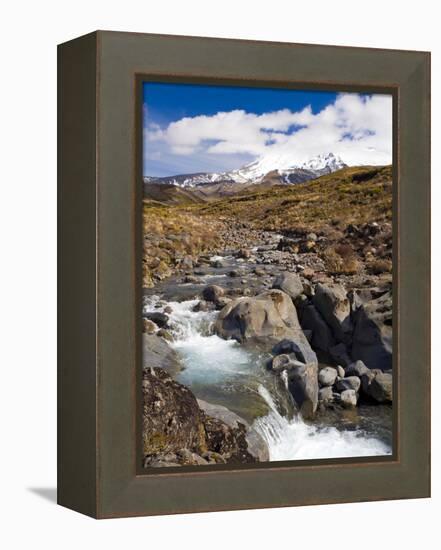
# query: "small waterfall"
293 439
225 372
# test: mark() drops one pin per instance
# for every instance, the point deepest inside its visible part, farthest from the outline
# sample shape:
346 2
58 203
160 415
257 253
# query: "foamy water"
221 364
293 439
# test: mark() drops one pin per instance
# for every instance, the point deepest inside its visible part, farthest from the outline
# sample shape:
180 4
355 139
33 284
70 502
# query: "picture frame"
100 140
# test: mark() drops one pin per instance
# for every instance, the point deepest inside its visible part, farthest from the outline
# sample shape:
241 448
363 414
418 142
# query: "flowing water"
225 373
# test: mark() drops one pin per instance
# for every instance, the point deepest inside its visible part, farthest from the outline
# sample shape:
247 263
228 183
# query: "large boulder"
262 320
289 283
333 304
322 338
172 419
372 336
176 431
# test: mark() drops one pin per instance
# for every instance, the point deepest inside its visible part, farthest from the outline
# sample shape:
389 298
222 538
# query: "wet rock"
289 283
333 304
327 376
202 305
303 385
372 337
165 334
212 293
285 361
149 327
348 398
348 383
263 320
298 348
159 318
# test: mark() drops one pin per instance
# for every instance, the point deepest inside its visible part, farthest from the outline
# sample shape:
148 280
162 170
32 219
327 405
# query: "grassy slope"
329 203
352 195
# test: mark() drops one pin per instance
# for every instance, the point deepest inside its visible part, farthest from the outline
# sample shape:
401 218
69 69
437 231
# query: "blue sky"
197 128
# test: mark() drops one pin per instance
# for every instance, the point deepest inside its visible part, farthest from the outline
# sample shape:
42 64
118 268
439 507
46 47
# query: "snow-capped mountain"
254 172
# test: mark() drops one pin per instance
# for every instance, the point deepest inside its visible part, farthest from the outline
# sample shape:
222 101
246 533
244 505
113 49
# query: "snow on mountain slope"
289 170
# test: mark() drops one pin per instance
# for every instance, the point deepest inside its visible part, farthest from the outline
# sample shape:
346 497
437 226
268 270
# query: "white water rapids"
225 372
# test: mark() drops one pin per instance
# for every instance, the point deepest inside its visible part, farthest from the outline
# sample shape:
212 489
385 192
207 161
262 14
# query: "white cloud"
358 128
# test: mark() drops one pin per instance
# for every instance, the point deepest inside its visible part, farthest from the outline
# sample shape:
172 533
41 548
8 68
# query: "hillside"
349 212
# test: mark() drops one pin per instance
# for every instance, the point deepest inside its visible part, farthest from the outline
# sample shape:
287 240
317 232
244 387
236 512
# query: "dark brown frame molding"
99 473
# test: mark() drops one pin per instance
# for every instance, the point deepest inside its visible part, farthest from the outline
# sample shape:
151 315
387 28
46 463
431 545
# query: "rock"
339 354
322 338
303 386
176 431
311 237
327 376
333 304
263 320
325 394
157 353
191 279
187 262
289 283
340 371
257 446
308 273
285 362
381 388
356 369
222 302
217 264
172 419
348 398
212 293
161 319
202 305
348 383
149 327
372 337
168 310
259 272
301 350
244 253
165 334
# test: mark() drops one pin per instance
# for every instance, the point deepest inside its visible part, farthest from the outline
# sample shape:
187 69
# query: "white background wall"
29 33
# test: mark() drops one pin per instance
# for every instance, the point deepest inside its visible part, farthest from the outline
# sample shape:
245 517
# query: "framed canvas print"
244 274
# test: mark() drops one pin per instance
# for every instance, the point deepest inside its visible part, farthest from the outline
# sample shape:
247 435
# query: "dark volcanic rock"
372 337
322 338
160 319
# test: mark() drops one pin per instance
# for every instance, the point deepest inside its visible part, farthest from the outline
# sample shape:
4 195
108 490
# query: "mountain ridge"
255 172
